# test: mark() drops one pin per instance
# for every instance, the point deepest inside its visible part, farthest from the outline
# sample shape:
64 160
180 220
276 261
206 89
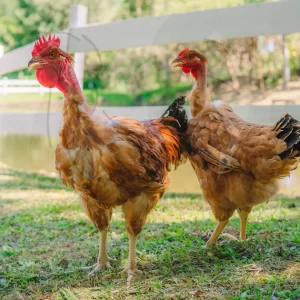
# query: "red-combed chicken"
109 161
237 163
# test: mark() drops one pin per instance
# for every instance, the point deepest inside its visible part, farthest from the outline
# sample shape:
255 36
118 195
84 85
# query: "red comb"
42 43
183 51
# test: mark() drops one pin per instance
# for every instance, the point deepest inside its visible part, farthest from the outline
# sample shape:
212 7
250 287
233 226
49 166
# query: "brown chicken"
238 164
110 161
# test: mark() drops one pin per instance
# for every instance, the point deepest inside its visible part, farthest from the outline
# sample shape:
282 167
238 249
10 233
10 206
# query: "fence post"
78 17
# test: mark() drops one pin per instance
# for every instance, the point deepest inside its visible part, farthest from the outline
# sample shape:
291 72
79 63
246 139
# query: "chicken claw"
100 265
131 270
131 274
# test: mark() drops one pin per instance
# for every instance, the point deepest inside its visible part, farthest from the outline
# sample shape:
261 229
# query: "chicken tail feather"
175 115
289 131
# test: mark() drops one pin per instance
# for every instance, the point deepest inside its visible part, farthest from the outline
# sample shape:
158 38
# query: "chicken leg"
243 223
101 218
130 267
135 214
103 259
215 235
222 217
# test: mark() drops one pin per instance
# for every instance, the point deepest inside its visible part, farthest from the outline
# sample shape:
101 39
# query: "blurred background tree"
143 75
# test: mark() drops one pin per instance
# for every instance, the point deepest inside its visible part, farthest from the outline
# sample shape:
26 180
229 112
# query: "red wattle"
43 78
186 70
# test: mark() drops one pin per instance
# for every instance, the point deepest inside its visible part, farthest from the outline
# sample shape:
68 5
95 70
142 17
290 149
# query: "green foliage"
143 75
161 96
135 8
295 65
272 79
29 19
97 97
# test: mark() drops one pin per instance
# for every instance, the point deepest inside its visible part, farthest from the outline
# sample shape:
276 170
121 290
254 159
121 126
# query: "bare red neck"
77 123
69 84
200 94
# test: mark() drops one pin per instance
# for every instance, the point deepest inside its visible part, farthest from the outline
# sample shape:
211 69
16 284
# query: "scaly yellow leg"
103 259
243 223
215 235
130 267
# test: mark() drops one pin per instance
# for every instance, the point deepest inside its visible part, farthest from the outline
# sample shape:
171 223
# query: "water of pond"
36 153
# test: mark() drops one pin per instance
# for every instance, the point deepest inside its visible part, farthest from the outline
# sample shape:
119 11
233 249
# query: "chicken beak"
177 62
34 64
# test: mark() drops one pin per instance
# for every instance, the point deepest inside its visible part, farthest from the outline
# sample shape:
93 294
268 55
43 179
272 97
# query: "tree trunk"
229 60
286 63
232 72
138 8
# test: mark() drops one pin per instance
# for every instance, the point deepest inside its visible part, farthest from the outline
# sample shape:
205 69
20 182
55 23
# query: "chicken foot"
221 224
130 267
215 235
103 260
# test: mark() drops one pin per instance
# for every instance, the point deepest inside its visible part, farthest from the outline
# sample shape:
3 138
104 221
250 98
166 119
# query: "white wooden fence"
20 86
49 124
249 20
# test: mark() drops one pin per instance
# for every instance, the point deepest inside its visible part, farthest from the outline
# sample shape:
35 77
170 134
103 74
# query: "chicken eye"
190 56
52 54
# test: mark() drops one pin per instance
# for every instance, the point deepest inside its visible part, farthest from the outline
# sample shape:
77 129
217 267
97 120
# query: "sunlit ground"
46 241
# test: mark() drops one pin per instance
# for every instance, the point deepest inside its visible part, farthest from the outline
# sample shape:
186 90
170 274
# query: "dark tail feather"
289 131
175 115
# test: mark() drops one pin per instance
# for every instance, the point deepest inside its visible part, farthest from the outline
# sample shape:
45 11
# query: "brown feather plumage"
118 161
125 156
110 160
238 163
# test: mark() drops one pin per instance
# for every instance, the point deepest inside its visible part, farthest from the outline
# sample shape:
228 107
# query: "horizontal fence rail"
41 124
249 20
234 22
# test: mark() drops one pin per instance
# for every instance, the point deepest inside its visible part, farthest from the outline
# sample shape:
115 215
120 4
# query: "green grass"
46 241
